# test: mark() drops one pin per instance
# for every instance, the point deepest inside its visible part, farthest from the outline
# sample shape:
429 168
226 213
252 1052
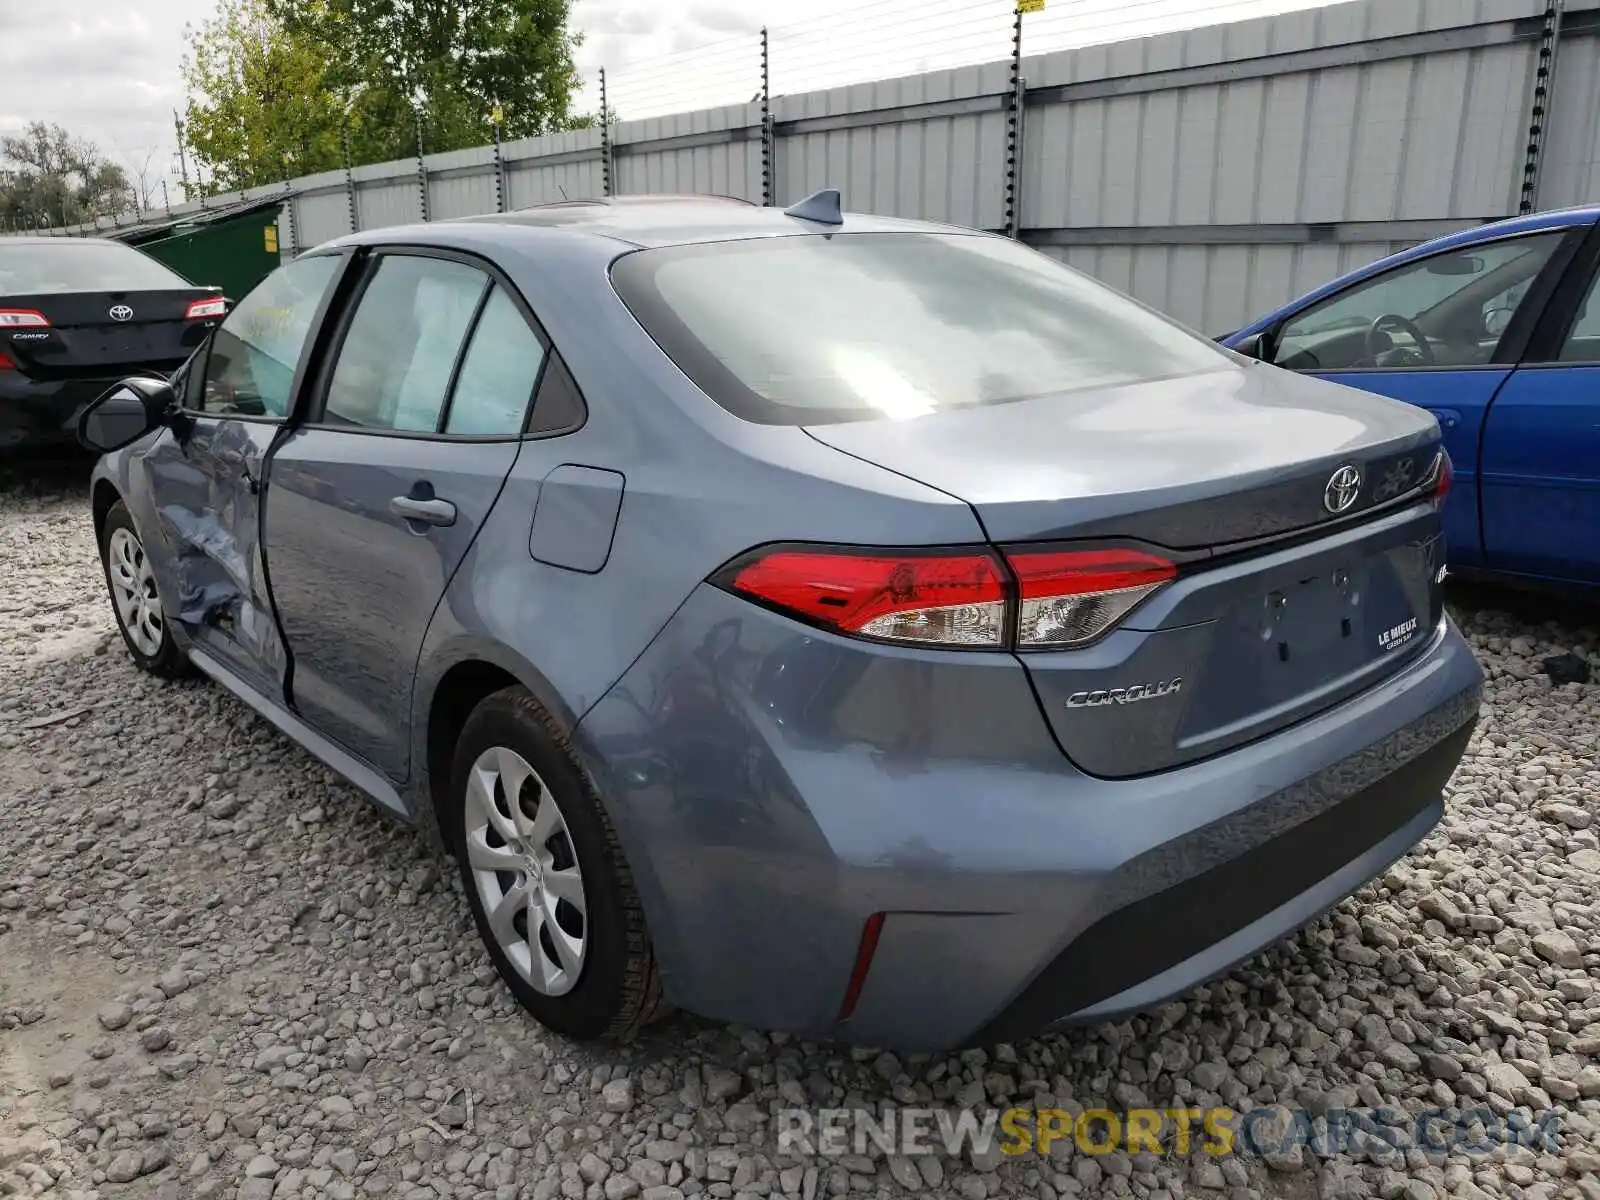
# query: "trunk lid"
108 333
1282 608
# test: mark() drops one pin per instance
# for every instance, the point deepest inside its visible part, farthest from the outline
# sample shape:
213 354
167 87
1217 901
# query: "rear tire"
550 891
134 602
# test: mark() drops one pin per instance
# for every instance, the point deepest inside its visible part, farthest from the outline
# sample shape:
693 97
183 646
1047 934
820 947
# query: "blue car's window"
1583 343
250 369
394 365
498 373
1446 310
809 330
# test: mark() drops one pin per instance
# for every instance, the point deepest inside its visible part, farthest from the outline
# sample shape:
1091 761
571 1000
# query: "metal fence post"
288 208
422 169
349 176
766 120
605 138
1014 126
499 164
1544 88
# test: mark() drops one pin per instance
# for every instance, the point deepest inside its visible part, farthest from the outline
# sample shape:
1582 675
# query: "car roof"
648 221
38 240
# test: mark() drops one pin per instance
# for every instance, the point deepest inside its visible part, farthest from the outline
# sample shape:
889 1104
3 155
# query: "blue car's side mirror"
1258 346
125 414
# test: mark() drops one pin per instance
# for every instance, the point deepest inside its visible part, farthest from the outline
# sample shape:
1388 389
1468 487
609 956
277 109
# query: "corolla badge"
1127 695
1342 490
120 312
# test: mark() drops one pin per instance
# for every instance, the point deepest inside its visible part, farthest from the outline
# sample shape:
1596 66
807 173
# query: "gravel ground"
224 974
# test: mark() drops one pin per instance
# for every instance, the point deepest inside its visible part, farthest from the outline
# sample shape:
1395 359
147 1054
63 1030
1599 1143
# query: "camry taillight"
23 318
1023 599
1444 474
199 310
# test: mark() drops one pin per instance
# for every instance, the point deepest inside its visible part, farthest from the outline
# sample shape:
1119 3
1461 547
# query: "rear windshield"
76 265
814 330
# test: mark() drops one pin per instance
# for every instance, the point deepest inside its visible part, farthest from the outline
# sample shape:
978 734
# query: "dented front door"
208 474
207 486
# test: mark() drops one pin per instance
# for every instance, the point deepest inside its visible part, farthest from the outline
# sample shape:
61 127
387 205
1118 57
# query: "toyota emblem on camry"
1342 490
121 312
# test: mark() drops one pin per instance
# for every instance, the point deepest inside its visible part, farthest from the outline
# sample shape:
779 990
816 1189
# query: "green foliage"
274 84
260 104
47 176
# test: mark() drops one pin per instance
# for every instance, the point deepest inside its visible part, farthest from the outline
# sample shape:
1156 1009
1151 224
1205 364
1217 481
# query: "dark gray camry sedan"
864 628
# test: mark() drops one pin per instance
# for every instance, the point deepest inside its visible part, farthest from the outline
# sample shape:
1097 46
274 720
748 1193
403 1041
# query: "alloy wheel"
526 871
133 588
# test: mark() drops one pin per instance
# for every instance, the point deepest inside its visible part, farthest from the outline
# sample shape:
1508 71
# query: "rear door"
379 496
83 308
1472 309
206 475
1541 444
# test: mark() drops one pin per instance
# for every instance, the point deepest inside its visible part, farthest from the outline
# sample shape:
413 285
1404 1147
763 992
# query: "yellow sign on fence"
1030 6
272 239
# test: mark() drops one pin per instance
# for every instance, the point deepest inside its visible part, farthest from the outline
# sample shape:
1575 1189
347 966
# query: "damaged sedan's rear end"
1177 679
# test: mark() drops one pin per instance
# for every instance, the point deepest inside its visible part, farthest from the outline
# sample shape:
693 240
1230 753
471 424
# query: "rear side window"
810 330
81 265
394 366
497 376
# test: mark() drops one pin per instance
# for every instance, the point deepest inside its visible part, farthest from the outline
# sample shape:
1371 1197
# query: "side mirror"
125 414
1258 346
1497 320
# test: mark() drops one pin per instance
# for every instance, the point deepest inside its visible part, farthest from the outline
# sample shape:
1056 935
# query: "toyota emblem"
121 312
1342 490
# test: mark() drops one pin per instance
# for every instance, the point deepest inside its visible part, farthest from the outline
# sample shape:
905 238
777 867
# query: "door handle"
424 512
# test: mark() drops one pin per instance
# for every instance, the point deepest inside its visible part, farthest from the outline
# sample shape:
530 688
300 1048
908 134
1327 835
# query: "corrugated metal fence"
1213 173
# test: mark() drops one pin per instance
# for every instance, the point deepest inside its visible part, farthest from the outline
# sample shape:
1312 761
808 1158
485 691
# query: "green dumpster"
231 250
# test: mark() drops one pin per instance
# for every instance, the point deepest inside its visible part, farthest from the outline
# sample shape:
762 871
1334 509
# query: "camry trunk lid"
1300 516
95 334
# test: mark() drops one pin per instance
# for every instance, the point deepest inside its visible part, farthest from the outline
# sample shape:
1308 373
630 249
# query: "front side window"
254 353
394 367
809 330
1446 310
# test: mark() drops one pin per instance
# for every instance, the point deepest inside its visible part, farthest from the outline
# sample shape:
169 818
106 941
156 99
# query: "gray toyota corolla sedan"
864 628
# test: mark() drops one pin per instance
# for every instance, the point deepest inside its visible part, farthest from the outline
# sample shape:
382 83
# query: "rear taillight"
199 310
1071 597
1020 599
6 364
942 599
1444 475
23 318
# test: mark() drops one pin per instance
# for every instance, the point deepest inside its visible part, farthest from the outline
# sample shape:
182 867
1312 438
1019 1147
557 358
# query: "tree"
47 176
261 104
451 62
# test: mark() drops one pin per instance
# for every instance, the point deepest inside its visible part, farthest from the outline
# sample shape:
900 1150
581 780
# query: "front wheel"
550 891
132 585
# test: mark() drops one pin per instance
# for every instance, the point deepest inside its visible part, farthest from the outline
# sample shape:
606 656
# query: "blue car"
1496 331
863 628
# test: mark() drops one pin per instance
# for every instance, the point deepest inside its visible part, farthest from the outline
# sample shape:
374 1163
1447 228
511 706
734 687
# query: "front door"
1436 332
1541 447
207 474
378 497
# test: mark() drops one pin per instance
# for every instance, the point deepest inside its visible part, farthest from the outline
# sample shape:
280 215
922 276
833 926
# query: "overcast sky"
108 69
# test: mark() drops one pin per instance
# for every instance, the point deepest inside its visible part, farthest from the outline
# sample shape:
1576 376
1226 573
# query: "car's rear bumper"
33 413
775 787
